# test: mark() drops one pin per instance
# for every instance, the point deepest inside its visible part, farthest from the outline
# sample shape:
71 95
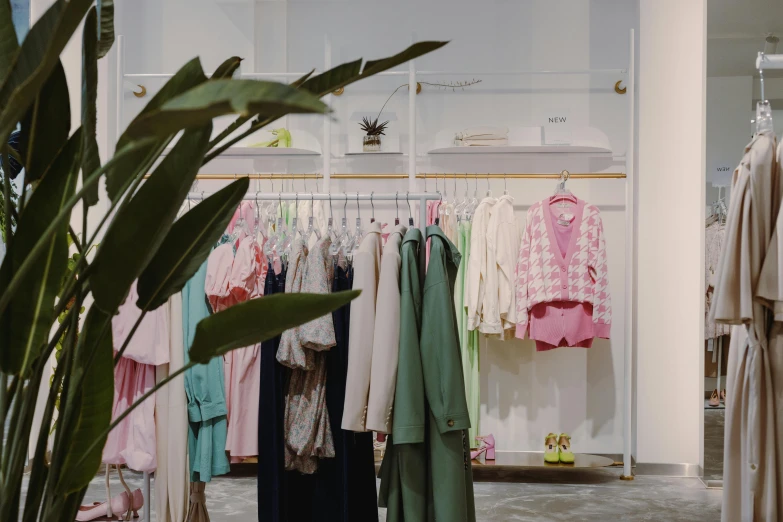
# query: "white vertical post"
120 72
326 152
412 126
630 221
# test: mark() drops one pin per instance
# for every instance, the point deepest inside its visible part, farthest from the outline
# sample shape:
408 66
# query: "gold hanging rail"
583 175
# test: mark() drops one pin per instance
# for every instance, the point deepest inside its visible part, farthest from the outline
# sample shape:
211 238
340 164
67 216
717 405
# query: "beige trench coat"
751 487
366 275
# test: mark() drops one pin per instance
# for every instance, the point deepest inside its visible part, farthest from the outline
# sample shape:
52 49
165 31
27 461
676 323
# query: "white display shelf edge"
381 153
253 152
523 149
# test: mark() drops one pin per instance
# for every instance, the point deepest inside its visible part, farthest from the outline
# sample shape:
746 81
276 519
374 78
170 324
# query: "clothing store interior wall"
524 394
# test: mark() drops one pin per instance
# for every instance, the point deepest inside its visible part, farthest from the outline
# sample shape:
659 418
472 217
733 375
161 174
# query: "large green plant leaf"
140 226
9 41
29 317
220 97
91 160
348 73
119 177
106 22
257 320
187 245
89 406
35 60
227 68
46 125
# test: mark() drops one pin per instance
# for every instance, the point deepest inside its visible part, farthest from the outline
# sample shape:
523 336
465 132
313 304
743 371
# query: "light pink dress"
150 343
133 441
231 279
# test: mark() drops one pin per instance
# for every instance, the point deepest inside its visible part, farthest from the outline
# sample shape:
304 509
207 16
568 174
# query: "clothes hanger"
358 233
330 222
763 108
310 228
372 219
460 208
397 204
561 192
410 212
489 189
505 185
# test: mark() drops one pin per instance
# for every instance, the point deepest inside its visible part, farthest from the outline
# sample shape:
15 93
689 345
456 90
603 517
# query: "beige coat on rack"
386 339
366 276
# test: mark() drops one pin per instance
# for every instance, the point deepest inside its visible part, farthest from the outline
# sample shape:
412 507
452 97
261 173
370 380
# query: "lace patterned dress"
308 435
712 248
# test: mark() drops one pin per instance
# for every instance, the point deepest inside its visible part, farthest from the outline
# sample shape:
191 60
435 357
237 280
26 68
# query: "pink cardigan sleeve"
602 303
522 276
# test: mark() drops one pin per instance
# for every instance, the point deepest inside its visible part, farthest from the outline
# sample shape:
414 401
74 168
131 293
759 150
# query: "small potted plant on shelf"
373 132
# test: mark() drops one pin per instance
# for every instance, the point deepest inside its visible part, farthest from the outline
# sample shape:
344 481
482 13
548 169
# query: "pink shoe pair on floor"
486 448
121 507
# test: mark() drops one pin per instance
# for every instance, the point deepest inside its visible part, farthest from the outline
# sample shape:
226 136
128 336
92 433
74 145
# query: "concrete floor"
714 420
590 496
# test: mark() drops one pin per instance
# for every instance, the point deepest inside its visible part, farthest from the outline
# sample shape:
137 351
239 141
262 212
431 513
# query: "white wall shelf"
523 149
255 152
381 153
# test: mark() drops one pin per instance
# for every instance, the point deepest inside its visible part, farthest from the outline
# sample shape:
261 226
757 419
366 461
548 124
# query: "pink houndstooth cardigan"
544 275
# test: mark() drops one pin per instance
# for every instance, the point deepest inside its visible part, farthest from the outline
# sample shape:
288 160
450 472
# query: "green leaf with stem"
139 227
46 125
90 406
106 23
9 41
220 97
30 317
30 259
227 68
36 58
187 246
91 159
254 321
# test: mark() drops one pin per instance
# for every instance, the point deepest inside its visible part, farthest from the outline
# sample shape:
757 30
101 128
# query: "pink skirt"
132 442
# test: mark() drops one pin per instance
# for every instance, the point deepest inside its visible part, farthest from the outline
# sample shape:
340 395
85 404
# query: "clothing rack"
422 197
581 175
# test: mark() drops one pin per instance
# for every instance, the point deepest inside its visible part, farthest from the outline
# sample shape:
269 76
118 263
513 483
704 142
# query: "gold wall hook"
617 88
338 92
142 93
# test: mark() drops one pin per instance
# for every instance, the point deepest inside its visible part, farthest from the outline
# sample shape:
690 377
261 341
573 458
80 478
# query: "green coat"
403 471
426 473
451 476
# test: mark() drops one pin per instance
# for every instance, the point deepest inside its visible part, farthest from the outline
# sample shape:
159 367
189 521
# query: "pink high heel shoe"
120 504
487 447
138 502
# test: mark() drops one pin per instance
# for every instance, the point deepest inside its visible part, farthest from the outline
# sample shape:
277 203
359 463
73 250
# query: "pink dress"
133 441
232 278
150 342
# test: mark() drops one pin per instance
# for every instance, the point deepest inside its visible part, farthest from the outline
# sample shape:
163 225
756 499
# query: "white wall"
671 231
728 126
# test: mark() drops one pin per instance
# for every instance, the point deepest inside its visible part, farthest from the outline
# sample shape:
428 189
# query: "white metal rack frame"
766 61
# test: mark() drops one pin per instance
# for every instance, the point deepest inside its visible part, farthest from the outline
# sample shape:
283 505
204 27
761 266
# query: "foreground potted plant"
142 239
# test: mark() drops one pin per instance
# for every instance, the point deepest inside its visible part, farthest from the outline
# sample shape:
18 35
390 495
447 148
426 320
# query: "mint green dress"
206 392
468 340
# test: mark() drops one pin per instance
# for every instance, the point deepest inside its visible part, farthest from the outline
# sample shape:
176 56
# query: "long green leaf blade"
187 246
36 59
140 226
29 317
106 23
348 73
227 68
9 41
120 177
91 405
220 97
91 160
257 320
47 125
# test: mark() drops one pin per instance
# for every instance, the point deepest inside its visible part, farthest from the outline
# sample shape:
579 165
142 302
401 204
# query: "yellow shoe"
564 447
551 450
